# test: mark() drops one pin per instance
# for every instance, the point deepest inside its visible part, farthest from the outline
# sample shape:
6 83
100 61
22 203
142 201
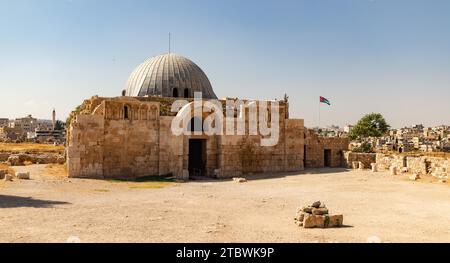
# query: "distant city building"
4 122
25 124
416 138
31 129
348 128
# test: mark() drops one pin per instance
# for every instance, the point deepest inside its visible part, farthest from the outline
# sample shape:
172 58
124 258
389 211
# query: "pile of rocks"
317 215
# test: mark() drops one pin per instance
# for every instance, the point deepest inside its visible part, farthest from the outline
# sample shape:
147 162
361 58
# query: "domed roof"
169 75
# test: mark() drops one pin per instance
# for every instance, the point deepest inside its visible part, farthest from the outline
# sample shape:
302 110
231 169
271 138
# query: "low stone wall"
366 158
18 159
384 162
422 165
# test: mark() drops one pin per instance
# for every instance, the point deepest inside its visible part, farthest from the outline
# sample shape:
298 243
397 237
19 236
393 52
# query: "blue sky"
387 56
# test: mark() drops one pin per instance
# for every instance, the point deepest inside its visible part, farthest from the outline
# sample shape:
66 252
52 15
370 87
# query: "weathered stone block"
393 170
414 177
307 209
8 177
361 166
23 176
355 165
320 211
334 221
374 167
312 221
316 204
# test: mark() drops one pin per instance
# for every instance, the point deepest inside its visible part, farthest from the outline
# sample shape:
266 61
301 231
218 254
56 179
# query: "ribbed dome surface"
169 75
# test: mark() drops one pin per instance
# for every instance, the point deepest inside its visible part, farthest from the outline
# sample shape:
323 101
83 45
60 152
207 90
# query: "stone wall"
315 147
243 155
105 142
422 165
366 158
86 146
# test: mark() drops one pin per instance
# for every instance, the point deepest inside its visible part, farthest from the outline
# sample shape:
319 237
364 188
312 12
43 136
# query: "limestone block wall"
436 166
242 155
315 147
366 158
131 148
131 137
85 148
171 152
294 145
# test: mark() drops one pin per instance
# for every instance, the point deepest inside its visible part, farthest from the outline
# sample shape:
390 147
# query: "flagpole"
319 114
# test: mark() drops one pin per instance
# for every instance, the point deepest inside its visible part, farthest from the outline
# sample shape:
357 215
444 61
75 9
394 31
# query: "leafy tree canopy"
371 125
59 125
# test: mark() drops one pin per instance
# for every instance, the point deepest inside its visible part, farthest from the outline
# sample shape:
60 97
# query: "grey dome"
169 75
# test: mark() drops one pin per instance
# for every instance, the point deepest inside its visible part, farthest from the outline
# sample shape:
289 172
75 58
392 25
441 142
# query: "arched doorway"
186 93
175 93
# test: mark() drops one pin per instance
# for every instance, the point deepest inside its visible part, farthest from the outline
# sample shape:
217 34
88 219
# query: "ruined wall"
85 148
436 166
294 145
366 158
315 147
107 143
129 137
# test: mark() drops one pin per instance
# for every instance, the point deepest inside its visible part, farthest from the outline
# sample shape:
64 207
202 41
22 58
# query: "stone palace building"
131 135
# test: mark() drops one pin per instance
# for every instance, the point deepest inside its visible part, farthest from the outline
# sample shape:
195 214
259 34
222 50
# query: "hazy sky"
387 56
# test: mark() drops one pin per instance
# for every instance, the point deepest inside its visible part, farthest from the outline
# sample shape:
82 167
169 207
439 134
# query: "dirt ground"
376 207
24 147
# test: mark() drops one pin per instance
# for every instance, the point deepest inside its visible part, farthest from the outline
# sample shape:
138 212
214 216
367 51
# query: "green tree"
59 125
371 125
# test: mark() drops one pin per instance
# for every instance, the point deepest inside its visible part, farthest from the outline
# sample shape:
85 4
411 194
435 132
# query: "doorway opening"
304 156
327 157
197 157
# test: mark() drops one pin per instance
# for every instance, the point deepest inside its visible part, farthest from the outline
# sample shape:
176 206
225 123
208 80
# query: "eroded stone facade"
324 151
417 164
129 137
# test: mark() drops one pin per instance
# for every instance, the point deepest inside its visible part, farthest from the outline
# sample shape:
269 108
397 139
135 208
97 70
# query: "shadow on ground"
10 201
275 175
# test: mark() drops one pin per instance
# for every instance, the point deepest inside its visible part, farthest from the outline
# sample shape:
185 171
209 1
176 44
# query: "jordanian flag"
324 100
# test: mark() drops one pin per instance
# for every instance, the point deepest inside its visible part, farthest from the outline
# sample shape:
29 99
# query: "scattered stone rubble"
22 158
4 174
374 167
414 177
393 170
23 176
317 216
239 180
8 177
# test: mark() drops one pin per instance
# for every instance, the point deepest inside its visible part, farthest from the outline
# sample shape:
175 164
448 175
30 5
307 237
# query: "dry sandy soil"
23 147
52 208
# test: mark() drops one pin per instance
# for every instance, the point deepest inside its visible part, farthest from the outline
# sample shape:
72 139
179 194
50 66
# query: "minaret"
54 118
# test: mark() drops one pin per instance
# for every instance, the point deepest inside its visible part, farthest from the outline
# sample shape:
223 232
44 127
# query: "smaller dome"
168 75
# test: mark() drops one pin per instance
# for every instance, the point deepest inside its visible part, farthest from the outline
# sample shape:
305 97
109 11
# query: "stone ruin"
317 216
5 175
